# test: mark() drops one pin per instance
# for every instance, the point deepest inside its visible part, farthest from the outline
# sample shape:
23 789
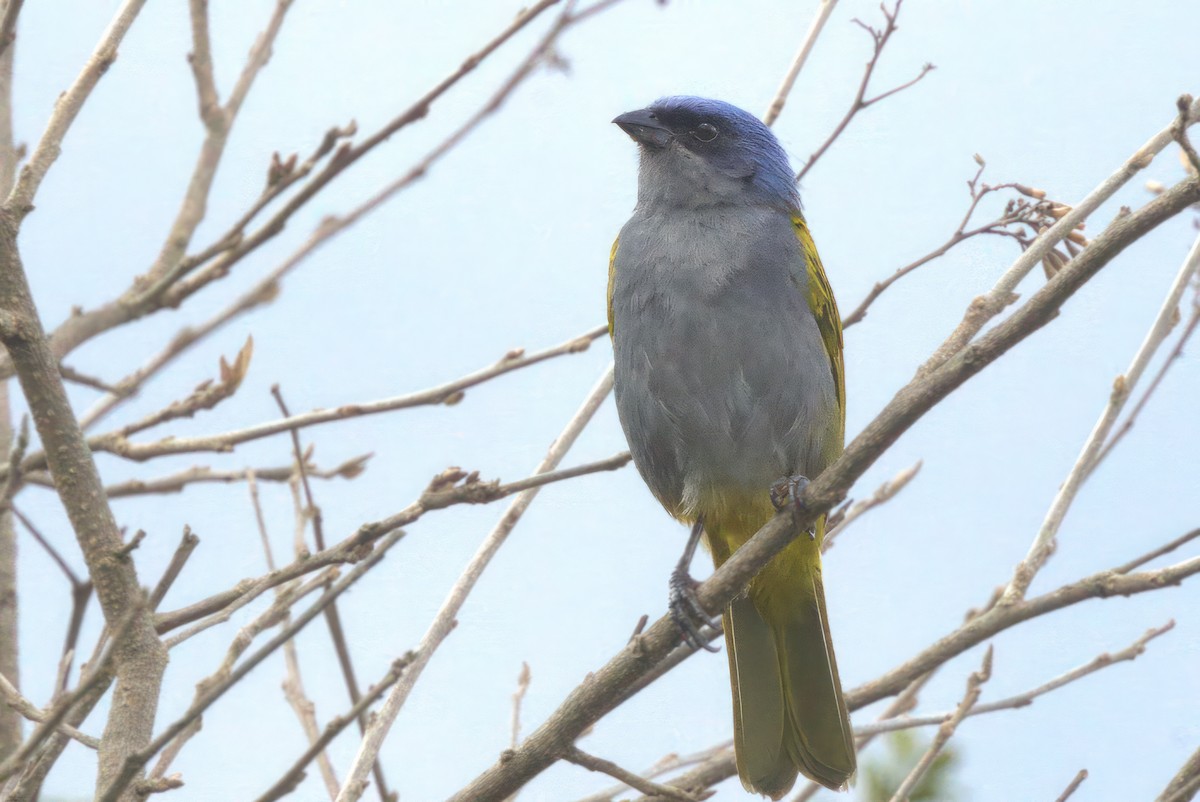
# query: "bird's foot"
687 612
785 494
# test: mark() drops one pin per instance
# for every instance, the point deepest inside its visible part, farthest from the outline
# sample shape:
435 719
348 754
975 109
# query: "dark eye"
705 132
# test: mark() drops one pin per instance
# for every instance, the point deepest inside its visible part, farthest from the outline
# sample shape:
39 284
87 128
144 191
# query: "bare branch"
1018 214
211 693
332 617
789 80
1044 544
1185 784
883 494
1073 786
1172 358
518 697
592 763
262 293
448 393
987 306
444 621
1186 117
1156 553
351 548
946 731
8 25
145 297
1129 653
293 683
200 60
294 775
48 547
664 765
203 474
187 544
14 699
605 687
861 101
98 674
66 108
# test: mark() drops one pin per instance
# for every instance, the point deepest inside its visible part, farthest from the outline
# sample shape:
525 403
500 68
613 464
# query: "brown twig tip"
456 486
523 681
1075 783
127 549
1184 106
159 785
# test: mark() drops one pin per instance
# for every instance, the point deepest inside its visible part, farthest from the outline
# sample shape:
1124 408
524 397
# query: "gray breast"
722 380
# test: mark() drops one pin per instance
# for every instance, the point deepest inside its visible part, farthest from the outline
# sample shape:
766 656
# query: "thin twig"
1018 214
592 763
987 306
443 493
66 109
1154 554
1075 783
1186 118
8 26
946 731
664 765
187 544
212 693
293 683
203 474
1044 543
1186 782
449 393
333 619
789 80
444 621
883 494
97 674
1173 357
294 775
14 699
518 697
1129 653
58 559
143 297
861 101
593 699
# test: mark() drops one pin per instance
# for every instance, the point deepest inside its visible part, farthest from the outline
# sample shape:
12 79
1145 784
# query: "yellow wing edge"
824 309
612 280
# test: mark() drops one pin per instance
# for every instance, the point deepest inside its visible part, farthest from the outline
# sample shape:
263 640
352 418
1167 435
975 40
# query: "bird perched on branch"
730 389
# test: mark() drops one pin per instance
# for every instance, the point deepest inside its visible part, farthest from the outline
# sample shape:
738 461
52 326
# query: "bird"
730 389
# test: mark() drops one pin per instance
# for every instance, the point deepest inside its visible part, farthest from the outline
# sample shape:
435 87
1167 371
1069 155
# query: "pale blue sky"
506 243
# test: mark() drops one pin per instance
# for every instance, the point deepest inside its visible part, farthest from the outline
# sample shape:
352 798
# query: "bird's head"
697 152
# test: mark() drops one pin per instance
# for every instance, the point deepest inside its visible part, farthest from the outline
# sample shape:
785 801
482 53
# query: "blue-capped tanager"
730 389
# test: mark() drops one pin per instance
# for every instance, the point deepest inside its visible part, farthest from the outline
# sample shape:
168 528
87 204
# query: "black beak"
644 128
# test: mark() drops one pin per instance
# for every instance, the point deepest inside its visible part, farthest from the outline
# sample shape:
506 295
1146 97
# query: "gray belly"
722 381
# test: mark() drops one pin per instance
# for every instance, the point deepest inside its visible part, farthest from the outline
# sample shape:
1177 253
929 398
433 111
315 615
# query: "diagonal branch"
210 693
8 25
946 731
861 101
66 109
789 80
595 698
1044 543
444 621
987 306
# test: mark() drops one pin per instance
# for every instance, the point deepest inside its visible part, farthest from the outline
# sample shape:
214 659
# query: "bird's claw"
687 612
785 494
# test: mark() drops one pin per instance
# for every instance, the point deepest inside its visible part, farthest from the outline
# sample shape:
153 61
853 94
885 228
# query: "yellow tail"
788 713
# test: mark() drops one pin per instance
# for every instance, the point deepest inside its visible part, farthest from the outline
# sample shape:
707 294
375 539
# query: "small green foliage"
880 776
